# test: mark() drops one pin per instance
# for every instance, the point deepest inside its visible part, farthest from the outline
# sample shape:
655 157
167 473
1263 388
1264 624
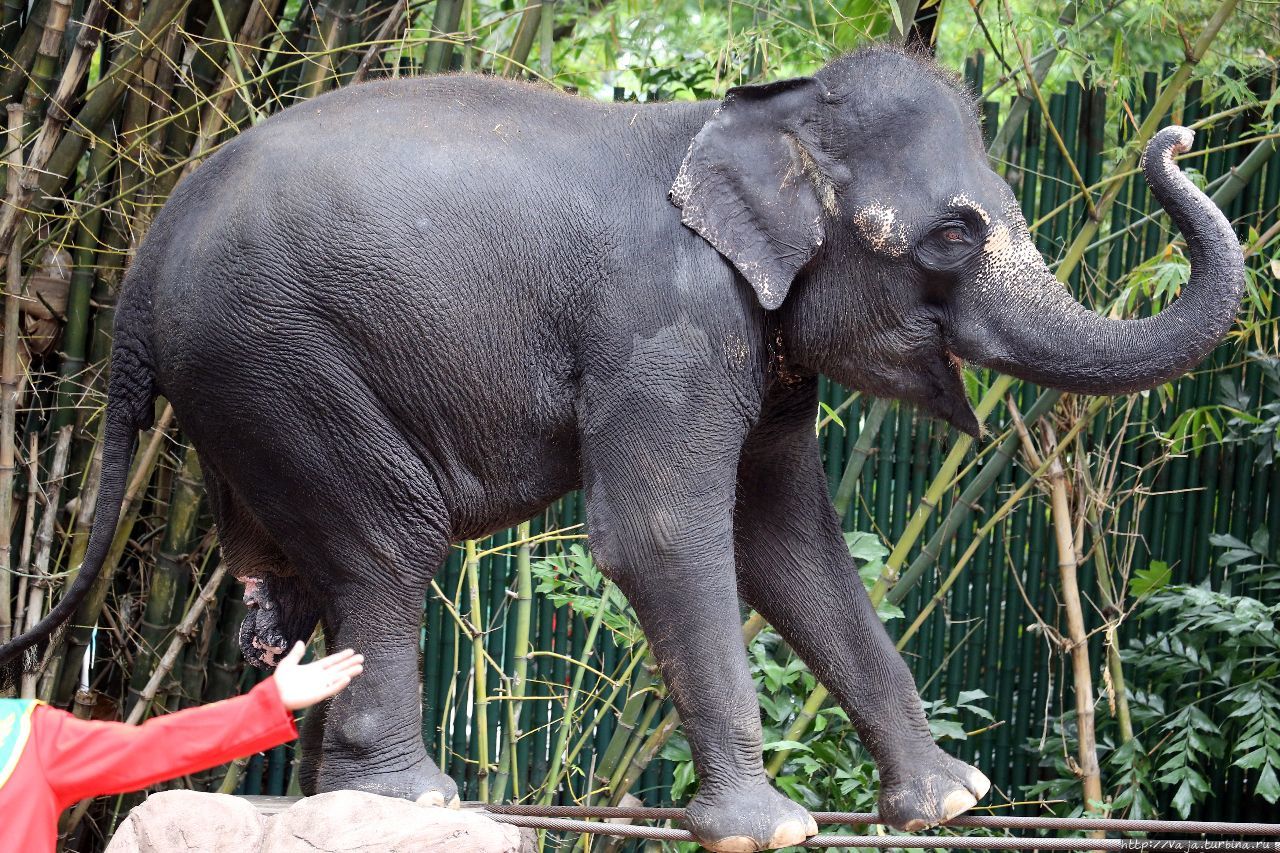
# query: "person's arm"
83 758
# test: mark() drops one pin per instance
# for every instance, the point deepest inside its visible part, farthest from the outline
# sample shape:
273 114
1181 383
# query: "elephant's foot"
423 784
744 820
935 791
278 617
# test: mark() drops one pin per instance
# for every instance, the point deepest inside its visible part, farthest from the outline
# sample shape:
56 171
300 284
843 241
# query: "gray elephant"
420 310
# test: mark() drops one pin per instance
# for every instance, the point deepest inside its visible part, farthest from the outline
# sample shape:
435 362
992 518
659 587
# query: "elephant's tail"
130 398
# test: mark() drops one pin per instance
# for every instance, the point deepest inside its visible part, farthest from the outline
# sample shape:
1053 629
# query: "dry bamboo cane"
87 613
392 27
44 550
54 121
522 43
1068 571
88 501
1041 469
54 155
1115 667
216 111
28 526
182 636
9 378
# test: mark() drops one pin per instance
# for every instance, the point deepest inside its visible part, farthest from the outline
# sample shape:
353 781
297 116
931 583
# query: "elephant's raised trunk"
1023 322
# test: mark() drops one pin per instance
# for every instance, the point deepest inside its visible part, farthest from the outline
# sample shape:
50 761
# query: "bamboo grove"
1039 582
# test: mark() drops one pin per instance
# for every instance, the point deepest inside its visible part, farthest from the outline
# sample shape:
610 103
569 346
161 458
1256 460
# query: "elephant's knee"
353 731
654 536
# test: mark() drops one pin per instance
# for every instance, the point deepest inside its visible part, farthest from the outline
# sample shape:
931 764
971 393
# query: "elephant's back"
378 194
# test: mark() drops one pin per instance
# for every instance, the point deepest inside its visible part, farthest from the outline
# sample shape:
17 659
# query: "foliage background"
536 682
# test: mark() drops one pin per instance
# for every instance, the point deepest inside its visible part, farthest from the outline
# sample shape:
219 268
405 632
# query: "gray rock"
337 822
189 820
356 822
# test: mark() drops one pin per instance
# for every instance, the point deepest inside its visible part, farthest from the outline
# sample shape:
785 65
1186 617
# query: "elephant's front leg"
661 526
795 570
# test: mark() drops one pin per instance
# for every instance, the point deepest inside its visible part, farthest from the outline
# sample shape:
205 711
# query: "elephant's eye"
953 234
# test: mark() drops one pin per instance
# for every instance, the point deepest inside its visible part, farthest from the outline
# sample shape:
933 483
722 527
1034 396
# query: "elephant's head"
860 206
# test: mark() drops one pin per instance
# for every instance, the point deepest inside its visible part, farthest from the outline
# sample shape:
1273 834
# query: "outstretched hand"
303 685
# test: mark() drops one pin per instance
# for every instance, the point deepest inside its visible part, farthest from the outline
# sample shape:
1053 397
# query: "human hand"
303 685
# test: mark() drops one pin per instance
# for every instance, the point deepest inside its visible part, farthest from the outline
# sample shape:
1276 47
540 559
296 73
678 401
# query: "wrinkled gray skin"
417 311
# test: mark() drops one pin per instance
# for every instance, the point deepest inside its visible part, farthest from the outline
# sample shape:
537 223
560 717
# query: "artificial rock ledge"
337 822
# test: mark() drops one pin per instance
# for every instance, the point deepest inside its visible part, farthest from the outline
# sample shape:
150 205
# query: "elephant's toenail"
957 802
455 803
916 824
979 783
431 798
733 844
789 833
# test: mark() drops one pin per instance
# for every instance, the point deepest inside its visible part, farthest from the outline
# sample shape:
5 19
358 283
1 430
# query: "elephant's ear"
757 185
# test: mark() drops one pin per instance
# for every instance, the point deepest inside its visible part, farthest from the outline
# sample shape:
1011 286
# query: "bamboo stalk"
633 761
518 54
862 451
942 482
444 29
46 59
1042 466
24 52
183 635
9 376
1039 69
41 583
90 609
1148 128
628 722
507 767
87 505
170 576
28 525
1053 128
570 705
75 333
1068 570
963 507
480 668
392 26
55 154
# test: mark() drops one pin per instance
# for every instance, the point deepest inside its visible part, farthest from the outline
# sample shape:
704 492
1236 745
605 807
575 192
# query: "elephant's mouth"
950 402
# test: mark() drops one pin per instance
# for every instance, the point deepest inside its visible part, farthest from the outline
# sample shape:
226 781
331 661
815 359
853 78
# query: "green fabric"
15 728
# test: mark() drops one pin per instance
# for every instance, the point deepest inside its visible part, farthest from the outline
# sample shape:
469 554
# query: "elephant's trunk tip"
1168 143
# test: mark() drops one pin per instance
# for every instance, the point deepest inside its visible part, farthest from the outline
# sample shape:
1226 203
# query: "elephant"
416 311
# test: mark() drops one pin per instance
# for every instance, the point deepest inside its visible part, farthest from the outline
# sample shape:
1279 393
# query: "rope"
1190 827
568 819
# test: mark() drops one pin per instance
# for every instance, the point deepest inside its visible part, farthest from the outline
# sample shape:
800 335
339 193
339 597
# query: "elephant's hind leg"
364 525
377 561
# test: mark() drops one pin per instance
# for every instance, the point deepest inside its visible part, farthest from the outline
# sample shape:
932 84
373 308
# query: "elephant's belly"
501 485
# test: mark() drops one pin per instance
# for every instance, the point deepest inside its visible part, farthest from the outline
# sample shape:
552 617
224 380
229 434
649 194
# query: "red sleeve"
84 758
